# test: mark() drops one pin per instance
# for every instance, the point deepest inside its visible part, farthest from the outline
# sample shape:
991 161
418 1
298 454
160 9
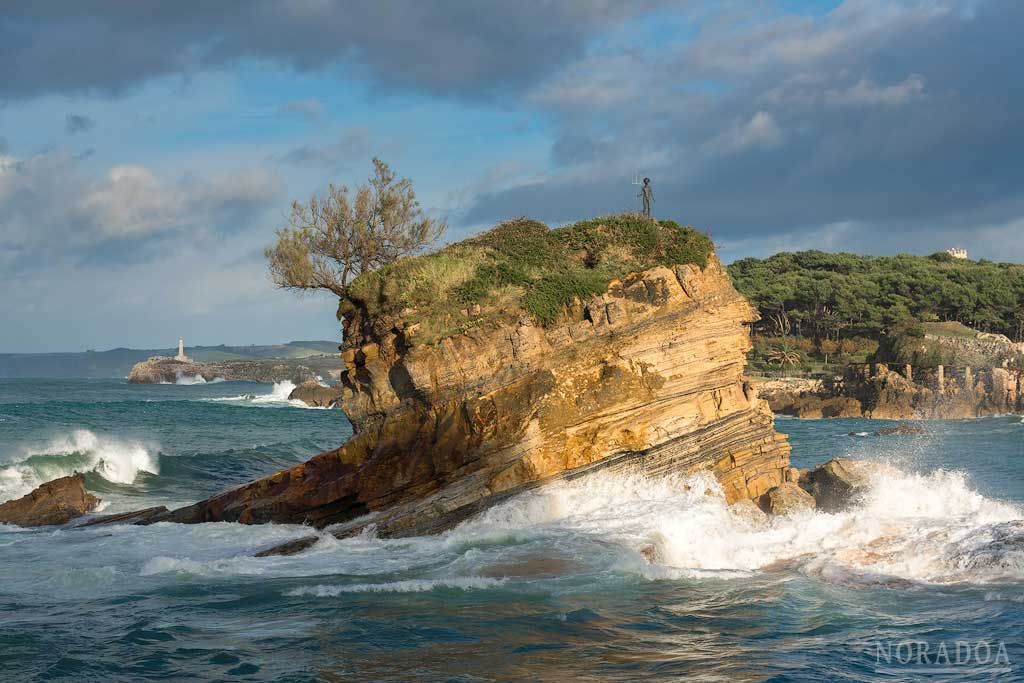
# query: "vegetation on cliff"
521 267
829 307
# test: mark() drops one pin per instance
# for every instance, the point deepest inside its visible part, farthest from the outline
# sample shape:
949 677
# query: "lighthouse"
181 351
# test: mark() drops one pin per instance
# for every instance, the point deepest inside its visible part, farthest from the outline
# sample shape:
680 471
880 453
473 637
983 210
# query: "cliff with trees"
818 307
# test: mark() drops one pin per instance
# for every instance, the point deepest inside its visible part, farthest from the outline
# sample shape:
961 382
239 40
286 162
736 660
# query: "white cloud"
866 93
760 131
50 203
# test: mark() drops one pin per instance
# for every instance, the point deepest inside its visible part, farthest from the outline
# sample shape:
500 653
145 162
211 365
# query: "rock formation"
883 392
55 502
786 498
838 483
646 377
168 370
312 393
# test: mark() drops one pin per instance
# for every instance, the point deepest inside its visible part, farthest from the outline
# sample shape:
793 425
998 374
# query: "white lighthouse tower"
181 352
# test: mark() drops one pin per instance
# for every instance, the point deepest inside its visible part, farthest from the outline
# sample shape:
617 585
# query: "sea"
609 578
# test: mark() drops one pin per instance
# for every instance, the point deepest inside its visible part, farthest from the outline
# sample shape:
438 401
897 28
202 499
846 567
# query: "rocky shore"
883 392
170 370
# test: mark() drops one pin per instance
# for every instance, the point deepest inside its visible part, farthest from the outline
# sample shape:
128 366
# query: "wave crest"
116 460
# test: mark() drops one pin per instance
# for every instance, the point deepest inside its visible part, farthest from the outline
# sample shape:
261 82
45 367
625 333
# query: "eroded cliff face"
900 392
647 377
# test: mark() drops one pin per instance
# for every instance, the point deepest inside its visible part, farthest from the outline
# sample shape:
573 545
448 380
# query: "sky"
149 151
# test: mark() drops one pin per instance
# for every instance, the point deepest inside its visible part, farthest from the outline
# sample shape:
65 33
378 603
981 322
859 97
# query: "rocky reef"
646 376
169 370
884 392
316 395
55 502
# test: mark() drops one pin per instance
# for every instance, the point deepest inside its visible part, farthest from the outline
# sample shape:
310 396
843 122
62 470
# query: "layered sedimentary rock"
647 377
54 502
168 370
884 392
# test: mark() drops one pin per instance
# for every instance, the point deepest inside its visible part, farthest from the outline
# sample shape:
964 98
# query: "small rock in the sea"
143 516
748 510
312 393
836 484
55 502
785 499
900 430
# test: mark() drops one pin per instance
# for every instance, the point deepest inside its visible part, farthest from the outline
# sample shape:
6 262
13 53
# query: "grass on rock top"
521 266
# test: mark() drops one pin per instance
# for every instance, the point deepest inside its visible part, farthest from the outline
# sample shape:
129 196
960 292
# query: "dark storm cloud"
447 47
77 123
894 116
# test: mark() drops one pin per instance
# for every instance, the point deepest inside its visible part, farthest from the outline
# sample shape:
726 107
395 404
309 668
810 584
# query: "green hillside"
817 306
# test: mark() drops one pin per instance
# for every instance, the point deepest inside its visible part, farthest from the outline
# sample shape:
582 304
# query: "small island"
181 369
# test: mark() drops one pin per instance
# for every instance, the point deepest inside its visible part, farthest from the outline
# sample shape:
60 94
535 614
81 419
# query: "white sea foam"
407 586
912 527
116 460
278 396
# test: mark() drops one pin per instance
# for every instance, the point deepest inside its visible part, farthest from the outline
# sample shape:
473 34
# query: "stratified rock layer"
54 502
647 378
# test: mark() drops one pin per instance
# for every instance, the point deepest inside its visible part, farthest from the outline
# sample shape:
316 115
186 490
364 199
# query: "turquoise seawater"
610 578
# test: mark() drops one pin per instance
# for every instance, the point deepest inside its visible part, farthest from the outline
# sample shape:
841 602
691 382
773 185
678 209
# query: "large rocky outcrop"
168 370
54 502
647 377
883 392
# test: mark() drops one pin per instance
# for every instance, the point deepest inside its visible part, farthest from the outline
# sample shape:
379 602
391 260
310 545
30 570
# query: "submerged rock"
786 498
134 517
836 484
55 502
312 393
901 430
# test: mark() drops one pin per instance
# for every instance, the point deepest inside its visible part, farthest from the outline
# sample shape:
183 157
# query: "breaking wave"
188 380
930 528
116 460
910 528
277 397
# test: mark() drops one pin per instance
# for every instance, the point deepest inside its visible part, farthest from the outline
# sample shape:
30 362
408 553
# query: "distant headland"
320 356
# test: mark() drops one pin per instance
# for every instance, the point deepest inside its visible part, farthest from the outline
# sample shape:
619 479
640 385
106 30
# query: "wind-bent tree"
334 238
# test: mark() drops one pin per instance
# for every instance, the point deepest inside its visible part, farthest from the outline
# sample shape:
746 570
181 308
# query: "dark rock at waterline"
290 548
144 516
55 502
900 430
312 393
836 484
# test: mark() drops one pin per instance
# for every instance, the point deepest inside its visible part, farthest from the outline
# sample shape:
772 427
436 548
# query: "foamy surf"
930 528
277 397
407 586
910 528
117 460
